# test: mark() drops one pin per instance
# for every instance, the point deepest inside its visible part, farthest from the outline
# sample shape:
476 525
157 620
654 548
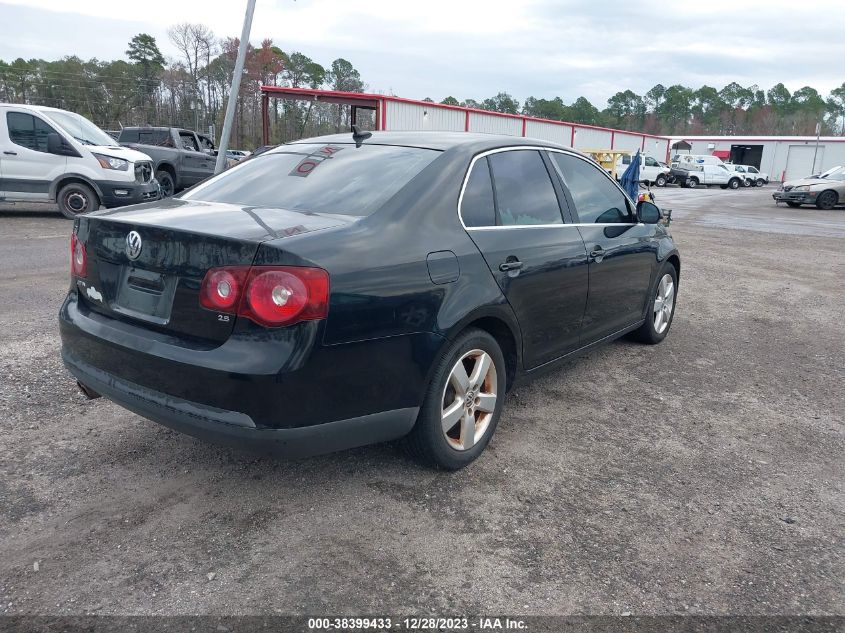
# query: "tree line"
191 90
676 110
188 91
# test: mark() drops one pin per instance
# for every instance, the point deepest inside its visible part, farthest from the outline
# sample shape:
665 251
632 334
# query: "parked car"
825 191
236 154
52 155
651 171
693 175
752 176
332 293
182 159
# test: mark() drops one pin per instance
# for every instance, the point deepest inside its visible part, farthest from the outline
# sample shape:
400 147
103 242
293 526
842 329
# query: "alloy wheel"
469 399
663 303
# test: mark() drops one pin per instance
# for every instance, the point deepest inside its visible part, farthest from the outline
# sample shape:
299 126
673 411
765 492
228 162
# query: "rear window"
337 178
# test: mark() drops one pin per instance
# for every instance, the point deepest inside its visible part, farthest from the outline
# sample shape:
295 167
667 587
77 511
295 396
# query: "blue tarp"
630 180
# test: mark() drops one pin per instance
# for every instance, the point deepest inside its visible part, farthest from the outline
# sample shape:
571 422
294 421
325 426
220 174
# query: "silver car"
825 191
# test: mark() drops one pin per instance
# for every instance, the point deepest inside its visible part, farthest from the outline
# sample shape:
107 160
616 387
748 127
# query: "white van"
47 154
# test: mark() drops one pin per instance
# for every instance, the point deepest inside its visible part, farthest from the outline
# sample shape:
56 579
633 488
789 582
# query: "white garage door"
799 163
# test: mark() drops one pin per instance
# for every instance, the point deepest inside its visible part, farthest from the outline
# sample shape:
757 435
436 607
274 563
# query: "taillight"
221 289
269 295
78 257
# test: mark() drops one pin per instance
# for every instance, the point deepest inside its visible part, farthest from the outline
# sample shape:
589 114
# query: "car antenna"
358 136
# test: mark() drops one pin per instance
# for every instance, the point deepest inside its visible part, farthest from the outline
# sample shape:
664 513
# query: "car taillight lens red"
269 295
78 257
221 289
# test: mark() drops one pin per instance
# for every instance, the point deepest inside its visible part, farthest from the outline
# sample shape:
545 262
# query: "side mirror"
648 212
54 144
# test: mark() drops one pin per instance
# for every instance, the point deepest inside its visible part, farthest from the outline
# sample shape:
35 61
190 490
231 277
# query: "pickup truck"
181 157
692 175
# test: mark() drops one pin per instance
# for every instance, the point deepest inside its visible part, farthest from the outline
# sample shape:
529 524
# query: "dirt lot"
704 475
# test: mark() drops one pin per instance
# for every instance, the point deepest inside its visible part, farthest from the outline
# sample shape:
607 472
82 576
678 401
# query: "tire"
794 205
660 181
747 183
734 183
827 200
447 449
692 183
759 182
77 198
166 182
655 329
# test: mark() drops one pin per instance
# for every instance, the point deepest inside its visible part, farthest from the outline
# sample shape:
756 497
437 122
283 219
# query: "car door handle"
510 265
598 254
10 153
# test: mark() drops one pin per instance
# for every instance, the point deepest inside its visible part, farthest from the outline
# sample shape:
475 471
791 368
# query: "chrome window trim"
550 226
540 148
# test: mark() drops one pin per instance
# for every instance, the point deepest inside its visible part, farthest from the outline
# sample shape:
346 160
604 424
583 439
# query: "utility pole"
816 153
236 86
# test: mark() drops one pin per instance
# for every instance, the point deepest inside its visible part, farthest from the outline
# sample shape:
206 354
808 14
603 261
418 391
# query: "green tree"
144 51
654 97
582 111
836 106
502 102
625 109
450 101
780 99
707 108
343 76
675 109
546 108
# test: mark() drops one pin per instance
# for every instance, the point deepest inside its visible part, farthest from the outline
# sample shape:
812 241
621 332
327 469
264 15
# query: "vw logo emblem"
133 245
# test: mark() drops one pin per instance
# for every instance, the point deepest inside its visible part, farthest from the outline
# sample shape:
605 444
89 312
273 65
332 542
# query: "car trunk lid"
146 264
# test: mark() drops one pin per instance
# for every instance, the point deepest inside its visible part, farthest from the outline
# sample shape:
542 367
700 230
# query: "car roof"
437 140
34 108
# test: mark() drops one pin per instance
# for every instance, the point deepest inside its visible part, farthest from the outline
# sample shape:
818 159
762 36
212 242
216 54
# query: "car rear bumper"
119 194
283 393
236 429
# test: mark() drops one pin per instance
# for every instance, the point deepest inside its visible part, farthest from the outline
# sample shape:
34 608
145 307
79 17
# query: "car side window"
477 205
188 142
524 192
129 136
28 131
650 162
753 170
596 198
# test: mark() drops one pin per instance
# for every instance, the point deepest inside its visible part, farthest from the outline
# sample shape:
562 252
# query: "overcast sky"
475 48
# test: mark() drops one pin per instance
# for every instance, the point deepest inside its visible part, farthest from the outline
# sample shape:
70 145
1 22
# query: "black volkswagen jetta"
340 291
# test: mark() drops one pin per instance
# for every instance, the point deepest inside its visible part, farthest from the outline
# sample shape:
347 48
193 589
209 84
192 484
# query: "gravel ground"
704 475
